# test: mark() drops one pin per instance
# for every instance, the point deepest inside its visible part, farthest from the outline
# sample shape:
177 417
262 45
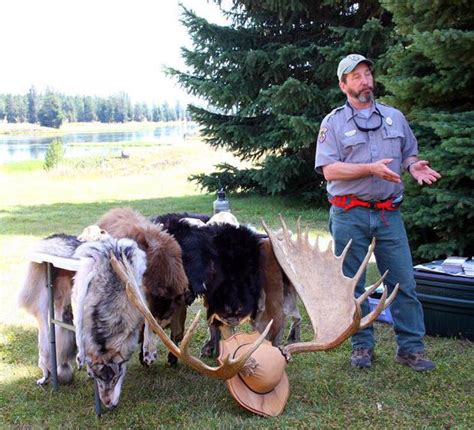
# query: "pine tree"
32 113
430 77
54 154
138 114
156 113
122 108
11 108
22 109
3 112
269 79
90 107
50 113
105 111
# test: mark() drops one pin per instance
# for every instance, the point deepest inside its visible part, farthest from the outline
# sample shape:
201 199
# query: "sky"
96 47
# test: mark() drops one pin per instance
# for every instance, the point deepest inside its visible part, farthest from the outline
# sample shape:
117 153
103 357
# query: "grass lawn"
325 391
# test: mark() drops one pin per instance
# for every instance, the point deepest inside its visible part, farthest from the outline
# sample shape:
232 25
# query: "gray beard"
363 98
366 98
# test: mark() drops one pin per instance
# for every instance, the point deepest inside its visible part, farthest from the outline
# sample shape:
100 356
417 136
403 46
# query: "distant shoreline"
15 129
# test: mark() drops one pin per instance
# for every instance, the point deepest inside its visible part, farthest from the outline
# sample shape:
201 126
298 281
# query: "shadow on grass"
325 391
71 218
151 397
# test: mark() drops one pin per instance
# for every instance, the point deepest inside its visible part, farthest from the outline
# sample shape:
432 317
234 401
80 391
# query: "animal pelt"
168 221
236 265
235 285
34 298
278 301
224 260
196 246
165 281
107 323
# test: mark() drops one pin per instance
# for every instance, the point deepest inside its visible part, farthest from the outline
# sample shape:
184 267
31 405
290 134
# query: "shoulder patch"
322 134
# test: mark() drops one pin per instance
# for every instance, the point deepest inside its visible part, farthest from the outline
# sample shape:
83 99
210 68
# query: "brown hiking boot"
416 360
362 358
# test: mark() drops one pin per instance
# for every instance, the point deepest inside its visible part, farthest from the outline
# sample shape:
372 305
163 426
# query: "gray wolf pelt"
165 282
107 325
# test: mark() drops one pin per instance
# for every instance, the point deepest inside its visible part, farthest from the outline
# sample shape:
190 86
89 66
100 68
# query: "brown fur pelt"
165 282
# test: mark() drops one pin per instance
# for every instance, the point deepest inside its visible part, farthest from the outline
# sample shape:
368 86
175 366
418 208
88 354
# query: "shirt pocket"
392 143
355 149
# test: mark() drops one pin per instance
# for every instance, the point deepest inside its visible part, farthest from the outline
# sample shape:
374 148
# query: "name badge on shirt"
350 133
389 120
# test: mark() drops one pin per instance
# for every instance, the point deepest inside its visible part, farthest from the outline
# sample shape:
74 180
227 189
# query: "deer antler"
229 367
327 294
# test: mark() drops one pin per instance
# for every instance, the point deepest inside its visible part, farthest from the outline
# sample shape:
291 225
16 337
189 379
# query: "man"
362 148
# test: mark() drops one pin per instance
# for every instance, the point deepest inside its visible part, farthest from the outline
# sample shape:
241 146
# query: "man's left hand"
423 173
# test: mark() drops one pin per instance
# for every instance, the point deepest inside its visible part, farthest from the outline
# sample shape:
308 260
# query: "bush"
54 154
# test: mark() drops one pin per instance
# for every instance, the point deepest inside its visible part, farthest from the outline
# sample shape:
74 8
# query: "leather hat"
262 386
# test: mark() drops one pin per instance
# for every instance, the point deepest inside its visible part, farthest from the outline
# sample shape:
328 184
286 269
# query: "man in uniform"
362 148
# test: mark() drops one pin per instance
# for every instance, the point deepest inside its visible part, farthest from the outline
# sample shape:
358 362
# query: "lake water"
20 148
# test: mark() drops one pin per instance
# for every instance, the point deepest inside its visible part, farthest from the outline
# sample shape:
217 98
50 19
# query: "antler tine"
363 266
298 230
345 250
229 367
306 233
269 231
314 346
329 247
392 296
371 289
372 316
189 332
123 270
286 233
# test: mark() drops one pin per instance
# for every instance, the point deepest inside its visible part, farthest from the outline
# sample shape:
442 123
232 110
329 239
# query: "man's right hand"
379 168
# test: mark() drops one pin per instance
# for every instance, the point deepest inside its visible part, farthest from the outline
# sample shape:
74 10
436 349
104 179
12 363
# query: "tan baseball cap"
349 63
262 387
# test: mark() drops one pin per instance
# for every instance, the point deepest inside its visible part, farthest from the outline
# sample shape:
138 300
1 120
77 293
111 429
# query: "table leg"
52 332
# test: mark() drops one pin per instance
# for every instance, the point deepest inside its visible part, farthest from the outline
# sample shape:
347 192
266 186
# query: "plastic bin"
385 316
448 304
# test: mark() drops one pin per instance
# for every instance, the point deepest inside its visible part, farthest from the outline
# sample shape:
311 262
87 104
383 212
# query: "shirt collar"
351 113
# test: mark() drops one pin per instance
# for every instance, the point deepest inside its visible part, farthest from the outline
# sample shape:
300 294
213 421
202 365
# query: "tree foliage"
32 105
54 154
115 108
51 114
430 77
269 79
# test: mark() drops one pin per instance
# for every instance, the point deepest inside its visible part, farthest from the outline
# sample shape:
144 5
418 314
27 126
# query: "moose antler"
229 367
327 294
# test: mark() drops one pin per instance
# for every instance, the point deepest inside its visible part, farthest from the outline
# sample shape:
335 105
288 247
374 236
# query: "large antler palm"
327 294
229 367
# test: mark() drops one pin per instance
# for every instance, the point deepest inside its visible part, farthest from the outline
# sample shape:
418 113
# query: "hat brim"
270 404
351 68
